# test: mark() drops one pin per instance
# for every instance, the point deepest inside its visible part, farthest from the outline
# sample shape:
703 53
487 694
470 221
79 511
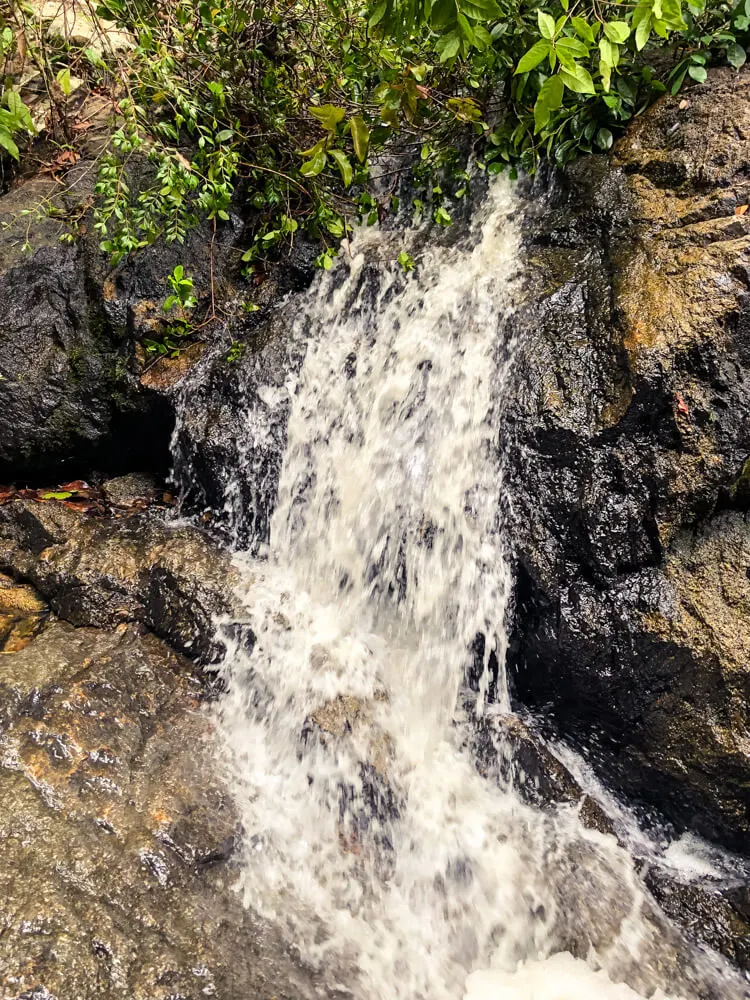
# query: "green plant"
175 330
182 291
284 107
236 351
15 117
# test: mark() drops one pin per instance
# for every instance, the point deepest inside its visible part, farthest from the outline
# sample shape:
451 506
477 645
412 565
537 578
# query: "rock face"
231 431
77 391
112 571
68 386
627 444
118 835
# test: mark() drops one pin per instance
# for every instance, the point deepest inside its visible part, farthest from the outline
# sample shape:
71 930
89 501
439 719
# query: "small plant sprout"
406 261
182 291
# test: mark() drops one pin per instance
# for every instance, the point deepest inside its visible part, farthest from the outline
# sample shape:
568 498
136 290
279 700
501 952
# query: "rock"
347 728
712 914
626 438
118 835
22 615
78 391
106 572
507 750
67 390
125 491
231 431
74 23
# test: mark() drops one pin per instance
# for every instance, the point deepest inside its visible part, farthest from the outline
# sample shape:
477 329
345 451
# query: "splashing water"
370 837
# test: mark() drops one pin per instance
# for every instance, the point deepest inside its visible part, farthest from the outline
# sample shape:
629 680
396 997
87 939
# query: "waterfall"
374 629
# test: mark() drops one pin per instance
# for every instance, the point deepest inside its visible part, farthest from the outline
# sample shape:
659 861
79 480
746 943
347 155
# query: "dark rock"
627 435
67 388
507 750
77 390
231 431
711 914
106 572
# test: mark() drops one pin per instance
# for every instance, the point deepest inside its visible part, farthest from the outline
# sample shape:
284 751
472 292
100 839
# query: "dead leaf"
183 162
681 404
740 210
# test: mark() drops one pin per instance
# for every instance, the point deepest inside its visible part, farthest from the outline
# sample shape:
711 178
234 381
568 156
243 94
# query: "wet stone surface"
627 439
118 836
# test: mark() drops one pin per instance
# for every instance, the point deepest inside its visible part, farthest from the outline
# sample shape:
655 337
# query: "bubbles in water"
369 835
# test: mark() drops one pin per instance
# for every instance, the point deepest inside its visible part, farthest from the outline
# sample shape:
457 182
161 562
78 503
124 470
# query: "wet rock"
105 572
125 491
22 614
78 390
118 861
626 438
712 914
231 431
67 389
507 750
347 727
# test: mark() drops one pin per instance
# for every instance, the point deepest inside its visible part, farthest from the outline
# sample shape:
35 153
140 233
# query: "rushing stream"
370 838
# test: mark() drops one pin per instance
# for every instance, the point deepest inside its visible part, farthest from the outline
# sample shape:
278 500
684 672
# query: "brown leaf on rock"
740 210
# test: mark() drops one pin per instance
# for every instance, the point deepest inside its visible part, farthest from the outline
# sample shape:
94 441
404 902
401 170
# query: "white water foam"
370 838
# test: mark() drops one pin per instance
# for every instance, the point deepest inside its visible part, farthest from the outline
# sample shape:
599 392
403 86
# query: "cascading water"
369 836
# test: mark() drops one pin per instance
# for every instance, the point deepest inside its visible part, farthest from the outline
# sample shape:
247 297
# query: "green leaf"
617 31
63 80
360 137
225 135
480 10
549 99
583 29
448 46
546 24
571 47
534 56
605 70
328 115
313 166
642 24
57 495
604 139
442 217
698 73
579 82
378 13
736 56
465 28
342 162
610 53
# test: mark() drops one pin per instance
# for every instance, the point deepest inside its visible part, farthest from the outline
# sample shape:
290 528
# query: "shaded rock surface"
118 836
104 572
231 431
627 440
77 389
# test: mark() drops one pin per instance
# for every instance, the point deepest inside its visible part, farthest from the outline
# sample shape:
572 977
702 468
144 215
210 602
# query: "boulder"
118 834
78 389
626 444
109 571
